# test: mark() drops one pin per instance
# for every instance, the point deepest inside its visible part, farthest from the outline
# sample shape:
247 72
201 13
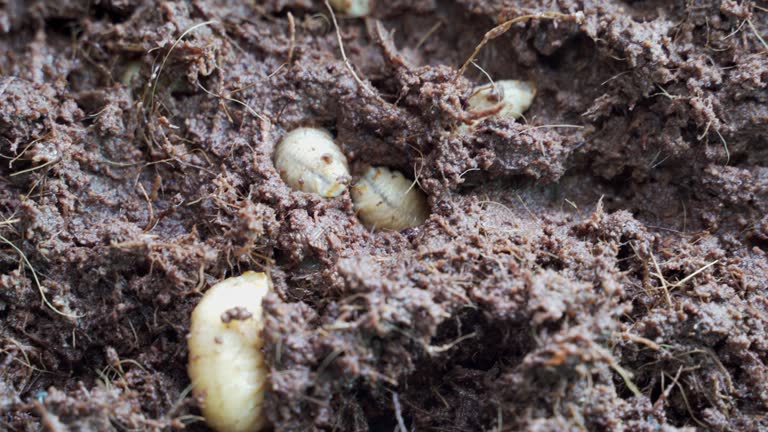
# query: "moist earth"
599 264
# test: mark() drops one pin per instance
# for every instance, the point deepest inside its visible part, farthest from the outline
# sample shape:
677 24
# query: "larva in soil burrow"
506 98
353 8
226 365
385 199
308 160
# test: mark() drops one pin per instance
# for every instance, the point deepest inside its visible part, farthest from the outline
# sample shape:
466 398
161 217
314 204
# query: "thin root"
503 28
398 413
666 286
239 102
151 216
627 377
639 339
344 54
428 34
168 54
35 168
496 90
725 146
446 347
292 35
757 35
37 281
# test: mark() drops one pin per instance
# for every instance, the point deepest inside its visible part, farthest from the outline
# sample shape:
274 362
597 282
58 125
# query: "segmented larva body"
353 8
505 99
226 365
308 160
385 199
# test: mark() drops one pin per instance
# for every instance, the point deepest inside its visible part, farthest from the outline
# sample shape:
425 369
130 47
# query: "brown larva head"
385 199
308 160
506 98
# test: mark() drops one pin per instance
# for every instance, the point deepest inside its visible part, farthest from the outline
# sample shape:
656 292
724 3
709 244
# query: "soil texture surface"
599 264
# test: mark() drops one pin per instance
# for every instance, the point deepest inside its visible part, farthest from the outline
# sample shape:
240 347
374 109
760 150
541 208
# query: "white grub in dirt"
308 160
226 366
505 99
353 8
385 199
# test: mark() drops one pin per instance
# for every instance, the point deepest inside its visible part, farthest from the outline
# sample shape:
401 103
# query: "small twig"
668 390
639 339
343 53
441 397
26 147
738 29
525 206
725 146
757 35
496 90
183 395
275 72
690 276
37 281
626 376
499 418
662 279
9 221
428 34
706 130
239 102
664 92
292 35
446 347
168 54
685 399
554 126
24 171
614 77
149 206
398 413
468 170
327 361
188 419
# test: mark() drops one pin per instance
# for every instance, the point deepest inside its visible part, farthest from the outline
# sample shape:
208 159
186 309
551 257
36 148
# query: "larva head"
385 199
308 160
353 8
506 98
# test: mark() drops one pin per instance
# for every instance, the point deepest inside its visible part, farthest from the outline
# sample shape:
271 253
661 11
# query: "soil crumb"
598 264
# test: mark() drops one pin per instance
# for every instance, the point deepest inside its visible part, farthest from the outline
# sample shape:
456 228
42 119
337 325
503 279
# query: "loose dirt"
598 265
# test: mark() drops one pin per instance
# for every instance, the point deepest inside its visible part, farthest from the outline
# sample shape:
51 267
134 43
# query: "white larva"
308 160
505 99
226 365
353 8
385 199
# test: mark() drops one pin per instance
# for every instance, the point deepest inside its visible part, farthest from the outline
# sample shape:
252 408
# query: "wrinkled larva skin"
226 365
517 97
353 8
308 160
385 199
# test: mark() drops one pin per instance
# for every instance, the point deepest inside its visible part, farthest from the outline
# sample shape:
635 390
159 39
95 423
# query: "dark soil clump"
600 264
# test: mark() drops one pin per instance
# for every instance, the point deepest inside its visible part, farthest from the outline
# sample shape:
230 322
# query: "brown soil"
599 266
